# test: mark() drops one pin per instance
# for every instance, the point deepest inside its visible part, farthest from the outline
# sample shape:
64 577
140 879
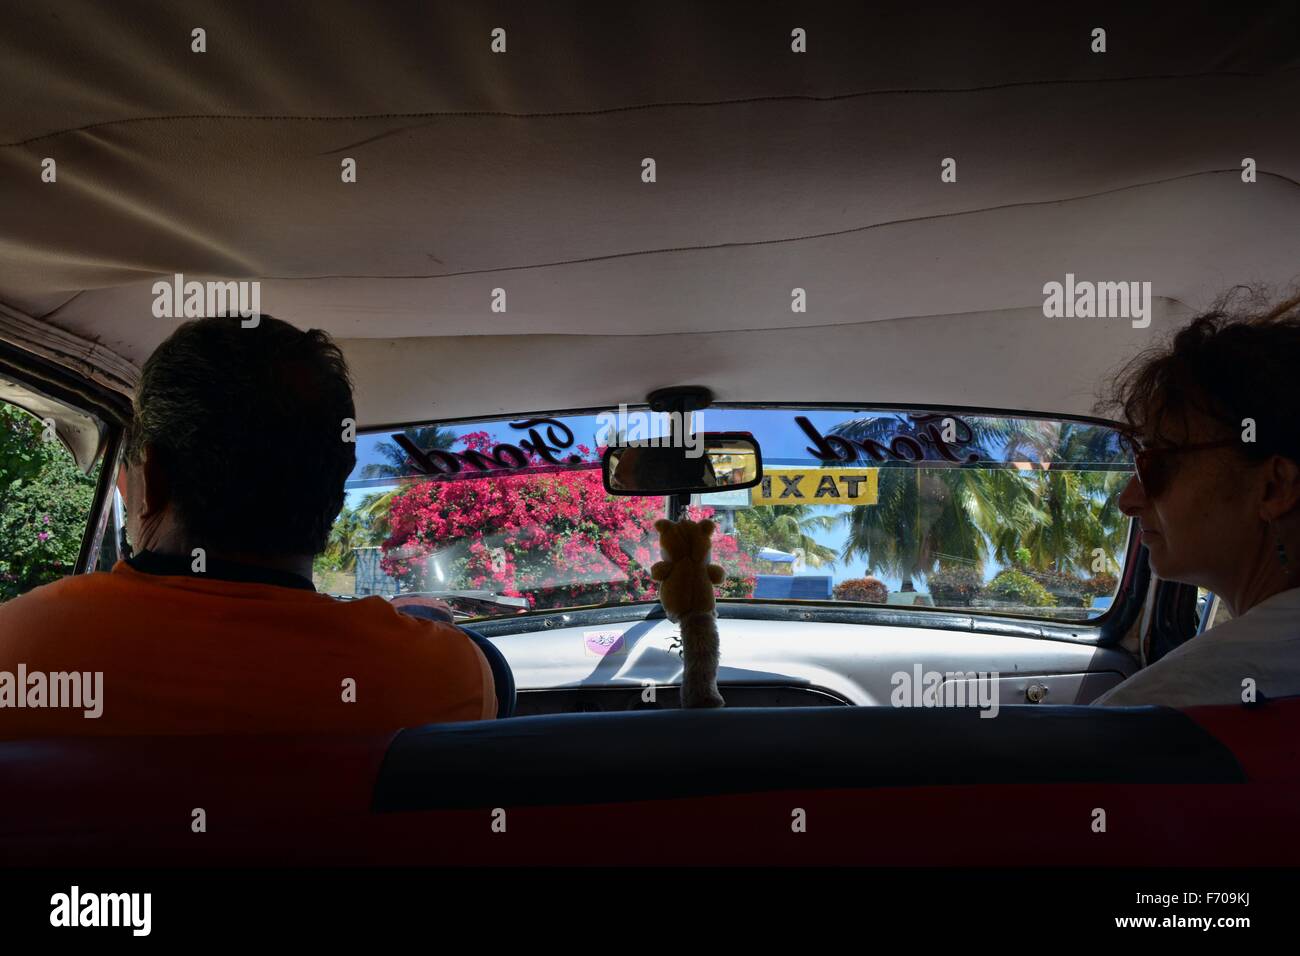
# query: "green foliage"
1019 588
784 528
1043 517
46 503
1070 590
351 530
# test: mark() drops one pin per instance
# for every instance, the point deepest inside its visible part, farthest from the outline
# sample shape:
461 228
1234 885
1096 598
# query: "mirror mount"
679 398
683 399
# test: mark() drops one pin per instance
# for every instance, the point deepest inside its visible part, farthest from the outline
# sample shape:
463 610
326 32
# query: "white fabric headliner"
775 170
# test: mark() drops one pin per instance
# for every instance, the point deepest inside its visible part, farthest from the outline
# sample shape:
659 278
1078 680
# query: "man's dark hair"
1229 364
247 424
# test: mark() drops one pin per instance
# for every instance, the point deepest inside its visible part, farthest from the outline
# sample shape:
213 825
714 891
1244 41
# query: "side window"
1210 611
47 500
113 545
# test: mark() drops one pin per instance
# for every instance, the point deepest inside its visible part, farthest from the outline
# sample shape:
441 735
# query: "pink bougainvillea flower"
555 539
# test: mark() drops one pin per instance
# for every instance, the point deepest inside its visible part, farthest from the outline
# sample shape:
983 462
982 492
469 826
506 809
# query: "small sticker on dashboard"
603 643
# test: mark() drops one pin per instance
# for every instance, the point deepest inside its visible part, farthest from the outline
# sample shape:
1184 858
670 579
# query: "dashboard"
566 663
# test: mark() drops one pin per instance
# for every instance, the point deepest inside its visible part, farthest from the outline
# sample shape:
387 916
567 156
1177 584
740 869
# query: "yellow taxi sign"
817 486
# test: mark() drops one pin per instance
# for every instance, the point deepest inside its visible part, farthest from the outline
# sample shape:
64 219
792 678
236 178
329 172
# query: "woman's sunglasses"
1155 464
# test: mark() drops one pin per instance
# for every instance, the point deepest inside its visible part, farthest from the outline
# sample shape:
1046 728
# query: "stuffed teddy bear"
686 581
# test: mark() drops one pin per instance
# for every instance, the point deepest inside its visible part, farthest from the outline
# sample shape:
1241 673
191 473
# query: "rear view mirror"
720 461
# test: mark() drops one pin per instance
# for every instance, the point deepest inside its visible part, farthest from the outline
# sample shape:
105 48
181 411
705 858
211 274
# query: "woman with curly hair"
1214 418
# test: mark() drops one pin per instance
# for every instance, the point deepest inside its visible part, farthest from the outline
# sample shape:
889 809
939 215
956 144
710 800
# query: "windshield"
945 510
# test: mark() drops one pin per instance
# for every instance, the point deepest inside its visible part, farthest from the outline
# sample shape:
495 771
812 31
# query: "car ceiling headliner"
775 170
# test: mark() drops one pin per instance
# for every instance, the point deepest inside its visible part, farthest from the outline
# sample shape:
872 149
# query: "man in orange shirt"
235 466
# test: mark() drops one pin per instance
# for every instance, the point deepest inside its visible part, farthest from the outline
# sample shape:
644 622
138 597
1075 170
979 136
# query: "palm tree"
1077 487
374 508
424 437
924 516
348 533
785 528
947 514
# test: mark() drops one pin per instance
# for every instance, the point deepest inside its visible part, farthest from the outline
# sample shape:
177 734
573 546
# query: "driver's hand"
442 607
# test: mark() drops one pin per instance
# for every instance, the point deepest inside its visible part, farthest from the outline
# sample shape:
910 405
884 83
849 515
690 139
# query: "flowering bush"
1102 585
955 587
741 573
556 539
46 500
870 590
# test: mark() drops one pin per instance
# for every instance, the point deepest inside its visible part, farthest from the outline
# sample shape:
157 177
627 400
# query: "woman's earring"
1282 557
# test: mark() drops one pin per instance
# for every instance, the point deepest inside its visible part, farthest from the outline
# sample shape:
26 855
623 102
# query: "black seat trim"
606 758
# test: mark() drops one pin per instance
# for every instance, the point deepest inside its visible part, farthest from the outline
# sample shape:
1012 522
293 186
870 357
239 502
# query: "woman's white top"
1263 646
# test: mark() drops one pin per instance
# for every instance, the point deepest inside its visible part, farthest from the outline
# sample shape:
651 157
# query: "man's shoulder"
66 588
377 611
421 641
